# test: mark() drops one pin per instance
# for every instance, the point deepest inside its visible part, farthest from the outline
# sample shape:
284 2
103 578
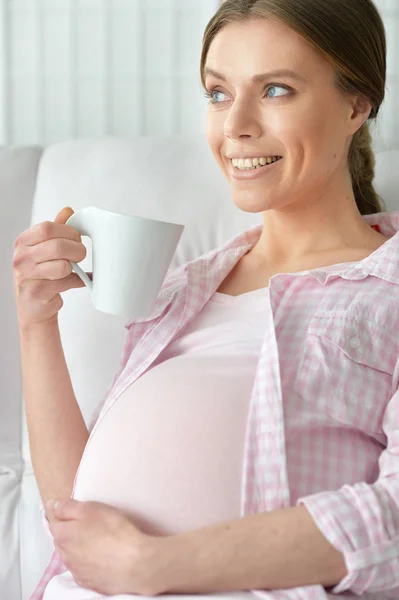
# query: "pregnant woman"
249 442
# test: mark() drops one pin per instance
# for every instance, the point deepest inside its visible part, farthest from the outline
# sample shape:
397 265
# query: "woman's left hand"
102 548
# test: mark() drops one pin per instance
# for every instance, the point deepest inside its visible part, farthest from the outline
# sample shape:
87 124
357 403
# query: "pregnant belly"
169 451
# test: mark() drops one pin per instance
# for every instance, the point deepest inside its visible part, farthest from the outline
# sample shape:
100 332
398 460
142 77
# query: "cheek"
321 126
312 140
214 137
210 128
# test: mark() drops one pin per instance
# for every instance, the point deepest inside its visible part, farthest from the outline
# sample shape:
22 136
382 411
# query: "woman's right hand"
41 268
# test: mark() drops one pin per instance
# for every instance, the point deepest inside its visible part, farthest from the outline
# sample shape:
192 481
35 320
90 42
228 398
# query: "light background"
83 68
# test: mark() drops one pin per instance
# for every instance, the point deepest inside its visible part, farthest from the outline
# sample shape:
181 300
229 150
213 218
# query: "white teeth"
246 164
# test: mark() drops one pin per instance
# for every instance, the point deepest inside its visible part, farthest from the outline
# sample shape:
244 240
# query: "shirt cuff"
352 520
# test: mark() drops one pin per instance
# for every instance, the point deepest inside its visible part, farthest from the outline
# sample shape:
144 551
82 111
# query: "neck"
297 232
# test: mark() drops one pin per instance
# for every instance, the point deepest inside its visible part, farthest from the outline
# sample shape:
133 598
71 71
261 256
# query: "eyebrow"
262 76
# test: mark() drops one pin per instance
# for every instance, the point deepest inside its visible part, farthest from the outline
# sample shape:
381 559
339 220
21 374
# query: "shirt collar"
383 262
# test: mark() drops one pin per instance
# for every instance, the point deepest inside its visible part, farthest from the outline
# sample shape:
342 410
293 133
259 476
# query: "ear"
360 109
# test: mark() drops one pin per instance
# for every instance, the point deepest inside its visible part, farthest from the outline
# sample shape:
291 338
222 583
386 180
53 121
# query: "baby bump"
169 451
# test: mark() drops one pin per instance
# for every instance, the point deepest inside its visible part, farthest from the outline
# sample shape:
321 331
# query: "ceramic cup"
131 256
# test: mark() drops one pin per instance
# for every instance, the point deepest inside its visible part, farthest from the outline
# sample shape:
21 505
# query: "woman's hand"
42 269
103 549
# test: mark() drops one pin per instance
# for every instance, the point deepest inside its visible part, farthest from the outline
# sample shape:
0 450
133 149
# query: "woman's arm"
265 551
57 431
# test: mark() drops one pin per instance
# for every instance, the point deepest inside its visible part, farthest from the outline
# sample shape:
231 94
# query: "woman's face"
305 120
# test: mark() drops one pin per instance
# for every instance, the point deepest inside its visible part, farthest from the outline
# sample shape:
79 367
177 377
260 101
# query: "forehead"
262 45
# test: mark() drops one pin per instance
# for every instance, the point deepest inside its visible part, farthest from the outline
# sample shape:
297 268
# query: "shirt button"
355 343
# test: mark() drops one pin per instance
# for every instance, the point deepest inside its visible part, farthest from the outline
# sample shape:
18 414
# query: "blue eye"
282 87
211 95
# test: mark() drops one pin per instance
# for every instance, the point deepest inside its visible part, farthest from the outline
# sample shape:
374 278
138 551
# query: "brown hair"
351 36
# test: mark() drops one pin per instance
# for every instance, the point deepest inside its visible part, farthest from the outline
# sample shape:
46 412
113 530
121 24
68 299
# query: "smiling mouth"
249 164
253 173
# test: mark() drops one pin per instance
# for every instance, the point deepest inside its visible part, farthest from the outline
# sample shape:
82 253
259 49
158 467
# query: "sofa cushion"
18 169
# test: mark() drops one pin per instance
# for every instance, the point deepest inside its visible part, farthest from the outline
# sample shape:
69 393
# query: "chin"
252 203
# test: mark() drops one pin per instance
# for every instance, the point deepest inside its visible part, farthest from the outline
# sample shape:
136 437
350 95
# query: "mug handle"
83 276
78 221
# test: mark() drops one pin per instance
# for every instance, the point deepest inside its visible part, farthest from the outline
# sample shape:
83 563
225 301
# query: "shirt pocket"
345 369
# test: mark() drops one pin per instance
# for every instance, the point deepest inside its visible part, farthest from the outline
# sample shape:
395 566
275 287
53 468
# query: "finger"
64 214
65 509
55 528
46 231
45 291
50 229
56 249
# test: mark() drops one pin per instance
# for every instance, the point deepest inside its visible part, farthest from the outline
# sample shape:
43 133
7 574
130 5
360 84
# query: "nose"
242 122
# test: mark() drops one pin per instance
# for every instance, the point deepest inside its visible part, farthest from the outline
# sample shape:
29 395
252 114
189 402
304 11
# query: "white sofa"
172 179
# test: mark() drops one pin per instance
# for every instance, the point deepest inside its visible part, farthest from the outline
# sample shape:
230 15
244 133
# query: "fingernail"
52 504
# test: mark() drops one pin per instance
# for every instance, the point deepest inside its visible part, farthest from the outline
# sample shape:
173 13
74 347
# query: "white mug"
131 256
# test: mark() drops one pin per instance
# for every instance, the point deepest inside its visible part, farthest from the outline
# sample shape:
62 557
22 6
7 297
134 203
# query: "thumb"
65 509
64 214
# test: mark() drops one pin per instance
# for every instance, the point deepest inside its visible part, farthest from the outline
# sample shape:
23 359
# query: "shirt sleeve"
362 520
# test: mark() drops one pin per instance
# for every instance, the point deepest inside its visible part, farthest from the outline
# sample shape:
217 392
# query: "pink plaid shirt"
323 428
